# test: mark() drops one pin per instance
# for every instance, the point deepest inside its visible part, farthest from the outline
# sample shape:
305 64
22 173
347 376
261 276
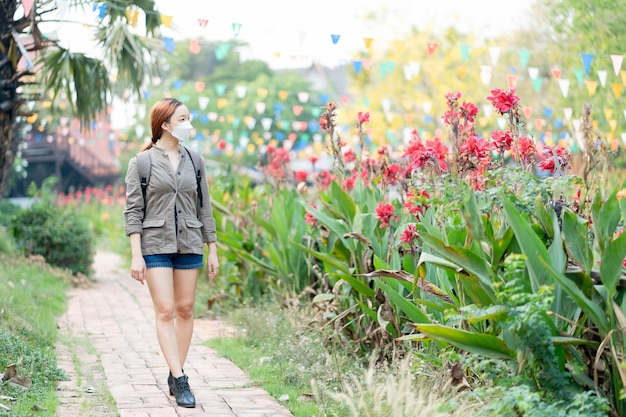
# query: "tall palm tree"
121 62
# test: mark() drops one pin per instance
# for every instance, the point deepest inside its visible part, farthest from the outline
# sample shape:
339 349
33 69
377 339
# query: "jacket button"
180 211
178 172
180 231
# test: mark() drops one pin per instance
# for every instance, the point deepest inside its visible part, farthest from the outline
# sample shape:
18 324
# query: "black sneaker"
182 392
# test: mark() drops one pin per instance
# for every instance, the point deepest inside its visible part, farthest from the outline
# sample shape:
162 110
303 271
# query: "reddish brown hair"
160 113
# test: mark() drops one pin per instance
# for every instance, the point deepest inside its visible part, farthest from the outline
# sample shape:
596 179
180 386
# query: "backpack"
144 167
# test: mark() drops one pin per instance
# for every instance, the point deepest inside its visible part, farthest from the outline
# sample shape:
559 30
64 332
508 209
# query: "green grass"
32 296
283 356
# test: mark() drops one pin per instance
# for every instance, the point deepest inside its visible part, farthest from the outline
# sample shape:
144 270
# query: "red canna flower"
503 101
349 156
526 148
502 140
469 111
410 235
324 178
300 176
309 218
221 145
417 202
384 213
313 159
392 174
363 117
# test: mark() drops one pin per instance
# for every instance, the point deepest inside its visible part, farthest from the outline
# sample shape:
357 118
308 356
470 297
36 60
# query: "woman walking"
168 218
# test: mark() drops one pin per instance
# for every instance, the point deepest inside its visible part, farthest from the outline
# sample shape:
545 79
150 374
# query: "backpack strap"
144 167
196 161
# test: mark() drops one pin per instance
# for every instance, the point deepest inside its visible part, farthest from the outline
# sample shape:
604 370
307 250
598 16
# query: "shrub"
7 211
62 237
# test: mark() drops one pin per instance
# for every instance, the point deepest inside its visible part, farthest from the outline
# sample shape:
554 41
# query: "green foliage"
61 236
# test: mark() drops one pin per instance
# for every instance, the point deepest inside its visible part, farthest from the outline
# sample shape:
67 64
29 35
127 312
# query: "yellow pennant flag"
166 20
368 42
482 121
230 117
623 73
608 113
222 102
462 71
594 123
132 16
283 94
407 104
261 92
591 87
613 124
32 118
617 89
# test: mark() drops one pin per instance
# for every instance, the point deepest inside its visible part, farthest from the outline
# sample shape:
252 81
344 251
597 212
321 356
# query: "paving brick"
115 315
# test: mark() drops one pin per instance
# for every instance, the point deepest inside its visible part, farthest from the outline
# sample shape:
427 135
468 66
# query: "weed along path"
109 350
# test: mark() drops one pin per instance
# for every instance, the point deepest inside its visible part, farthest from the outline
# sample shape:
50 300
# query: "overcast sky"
298 27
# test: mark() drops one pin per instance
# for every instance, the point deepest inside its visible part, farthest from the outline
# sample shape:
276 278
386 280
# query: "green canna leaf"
482 344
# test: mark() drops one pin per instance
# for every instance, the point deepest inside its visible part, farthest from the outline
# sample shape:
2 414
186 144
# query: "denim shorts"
174 261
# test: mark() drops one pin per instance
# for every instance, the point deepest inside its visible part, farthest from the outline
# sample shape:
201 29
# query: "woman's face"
180 115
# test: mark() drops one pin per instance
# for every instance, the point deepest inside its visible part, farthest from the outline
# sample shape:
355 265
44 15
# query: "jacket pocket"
193 234
153 236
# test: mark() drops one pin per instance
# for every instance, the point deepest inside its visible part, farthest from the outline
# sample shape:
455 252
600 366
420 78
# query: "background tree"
242 104
83 81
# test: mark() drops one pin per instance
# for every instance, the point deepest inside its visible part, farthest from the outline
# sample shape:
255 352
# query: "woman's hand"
138 269
213 264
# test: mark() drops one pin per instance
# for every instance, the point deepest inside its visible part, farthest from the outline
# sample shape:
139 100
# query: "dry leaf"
9 372
22 382
37 407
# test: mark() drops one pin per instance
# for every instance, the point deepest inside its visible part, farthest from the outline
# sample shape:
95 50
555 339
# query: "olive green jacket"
174 222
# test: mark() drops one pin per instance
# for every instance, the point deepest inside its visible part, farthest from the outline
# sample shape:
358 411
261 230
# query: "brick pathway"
115 316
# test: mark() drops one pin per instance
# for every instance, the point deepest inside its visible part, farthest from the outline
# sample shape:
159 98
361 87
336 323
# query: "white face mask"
182 131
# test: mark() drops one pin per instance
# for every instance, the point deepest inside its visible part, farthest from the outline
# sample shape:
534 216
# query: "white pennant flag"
485 73
617 63
203 102
576 124
564 84
487 109
428 106
624 138
212 116
568 113
579 139
386 103
602 75
139 131
389 117
501 122
141 111
251 122
62 6
411 70
260 107
624 114
266 122
303 96
533 72
241 91
494 52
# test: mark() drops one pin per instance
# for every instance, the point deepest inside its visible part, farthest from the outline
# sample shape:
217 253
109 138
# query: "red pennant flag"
556 72
512 80
28 5
203 22
528 111
432 47
199 86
